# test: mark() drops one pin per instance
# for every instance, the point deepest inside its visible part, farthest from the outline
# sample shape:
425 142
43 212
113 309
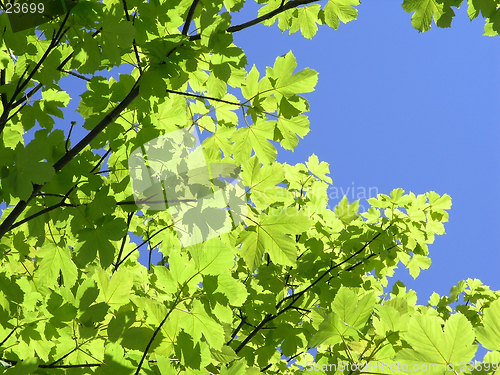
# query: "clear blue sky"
397 108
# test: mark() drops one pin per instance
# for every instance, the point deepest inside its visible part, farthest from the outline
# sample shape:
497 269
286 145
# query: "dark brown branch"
129 219
136 51
77 75
267 319
64 197
56 38
189 17
27 96
66 145
8 336
41 212
70 155
124 2
204 97
110 117
242 323
21 85
138 246
267 367
71 366
235 28
295 356
177 300
2 83
60 68
295 297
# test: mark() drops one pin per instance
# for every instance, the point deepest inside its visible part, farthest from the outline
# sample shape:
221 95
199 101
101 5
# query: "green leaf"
287 83
318 169
26 367
212 256
171 114
232 289
416 263
94 239
389 320
55 260
115 361
306 21
431 345
117 37
269 236
254 137
424 10
291 128
197 322
52 100
485 7
352 311
489 334
28 170
115 291
251 86
342 10
236 368
349 315
346 211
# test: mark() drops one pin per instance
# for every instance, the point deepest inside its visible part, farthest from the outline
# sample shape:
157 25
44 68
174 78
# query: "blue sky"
397 108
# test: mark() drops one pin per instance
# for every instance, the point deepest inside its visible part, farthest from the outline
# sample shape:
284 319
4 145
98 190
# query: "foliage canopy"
292 276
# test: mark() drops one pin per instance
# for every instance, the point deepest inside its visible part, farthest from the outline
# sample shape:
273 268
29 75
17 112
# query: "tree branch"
77 75
235 28
56 38
189 17
8 336
129 219
60 68
2 83
138 246
296 297
70 155
203 97
267 319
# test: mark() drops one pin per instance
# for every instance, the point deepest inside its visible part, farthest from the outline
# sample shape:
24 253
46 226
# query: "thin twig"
77 75
235 28
73 123
124 239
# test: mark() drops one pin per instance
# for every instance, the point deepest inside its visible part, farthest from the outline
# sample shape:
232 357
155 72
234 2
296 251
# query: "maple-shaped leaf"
55 260
342 10
424 10
116 288
349 314
318 169
254 137
282 79
268 235
431 343
489 334
306 20
98 238
197 322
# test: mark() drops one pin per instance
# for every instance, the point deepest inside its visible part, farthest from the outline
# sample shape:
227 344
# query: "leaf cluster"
293 275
